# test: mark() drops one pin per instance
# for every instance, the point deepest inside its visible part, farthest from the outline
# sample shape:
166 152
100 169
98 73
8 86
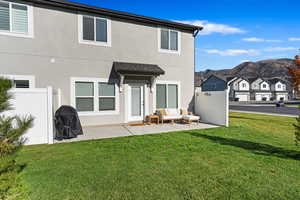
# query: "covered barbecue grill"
67 123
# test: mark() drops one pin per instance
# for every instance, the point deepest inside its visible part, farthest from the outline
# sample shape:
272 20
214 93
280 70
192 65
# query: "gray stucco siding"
56 39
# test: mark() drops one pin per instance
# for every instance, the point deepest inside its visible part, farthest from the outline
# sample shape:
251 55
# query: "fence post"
50 115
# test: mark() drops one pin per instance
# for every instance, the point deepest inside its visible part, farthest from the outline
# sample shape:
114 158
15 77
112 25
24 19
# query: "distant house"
239 89
248 89
279 89
260 89
214 83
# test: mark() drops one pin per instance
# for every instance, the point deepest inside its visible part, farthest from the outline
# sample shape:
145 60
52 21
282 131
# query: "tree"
12 128
295 79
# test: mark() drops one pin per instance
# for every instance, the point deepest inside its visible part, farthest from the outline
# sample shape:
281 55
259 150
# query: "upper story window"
169 41
279 86
94 30
264 86
16 19
244 85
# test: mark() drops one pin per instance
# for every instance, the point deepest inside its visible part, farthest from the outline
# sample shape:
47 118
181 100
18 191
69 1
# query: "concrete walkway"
102 132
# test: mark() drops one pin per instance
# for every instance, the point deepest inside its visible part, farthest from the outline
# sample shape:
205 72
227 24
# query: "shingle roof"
137 69
113 13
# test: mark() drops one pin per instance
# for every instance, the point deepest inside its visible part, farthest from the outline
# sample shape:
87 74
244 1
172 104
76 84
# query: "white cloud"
210 28
271 49
233 52
294 39
255 39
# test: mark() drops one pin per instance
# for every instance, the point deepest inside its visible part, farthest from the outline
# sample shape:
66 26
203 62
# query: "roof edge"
116 14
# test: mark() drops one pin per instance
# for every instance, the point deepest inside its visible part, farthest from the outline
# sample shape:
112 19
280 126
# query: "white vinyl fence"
213 107
36 102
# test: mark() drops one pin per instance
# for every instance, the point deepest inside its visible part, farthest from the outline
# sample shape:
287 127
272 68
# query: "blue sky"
235 30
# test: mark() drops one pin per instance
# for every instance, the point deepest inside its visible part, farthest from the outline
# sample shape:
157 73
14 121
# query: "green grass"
255 158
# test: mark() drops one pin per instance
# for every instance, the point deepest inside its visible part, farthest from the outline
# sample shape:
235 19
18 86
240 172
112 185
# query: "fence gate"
38 103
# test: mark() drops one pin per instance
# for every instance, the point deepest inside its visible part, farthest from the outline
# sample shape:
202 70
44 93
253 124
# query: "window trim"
165 50
96 96
30 33
80 31
178 83
30 78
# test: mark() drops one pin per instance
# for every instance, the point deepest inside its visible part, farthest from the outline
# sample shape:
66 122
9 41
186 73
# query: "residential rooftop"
117 14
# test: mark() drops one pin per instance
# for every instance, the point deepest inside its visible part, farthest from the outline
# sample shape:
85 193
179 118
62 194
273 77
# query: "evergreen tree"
11 130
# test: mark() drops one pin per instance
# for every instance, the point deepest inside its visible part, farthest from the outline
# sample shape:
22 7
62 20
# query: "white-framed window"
169 41
94 30
244 85
264 86
279 86
94 96
16 19
167 95
21 81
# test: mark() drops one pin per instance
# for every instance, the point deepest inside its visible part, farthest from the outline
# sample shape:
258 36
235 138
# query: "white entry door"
136 102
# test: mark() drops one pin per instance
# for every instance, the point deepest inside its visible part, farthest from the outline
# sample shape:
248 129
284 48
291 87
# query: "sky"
235 31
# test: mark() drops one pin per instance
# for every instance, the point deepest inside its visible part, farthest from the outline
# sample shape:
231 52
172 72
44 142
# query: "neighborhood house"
249 89
113 67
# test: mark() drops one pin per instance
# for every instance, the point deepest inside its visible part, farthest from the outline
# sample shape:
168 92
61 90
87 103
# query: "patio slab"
103 132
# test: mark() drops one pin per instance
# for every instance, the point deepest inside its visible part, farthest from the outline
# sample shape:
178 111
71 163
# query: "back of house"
113 67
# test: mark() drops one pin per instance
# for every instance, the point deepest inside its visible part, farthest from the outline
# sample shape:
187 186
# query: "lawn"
255 158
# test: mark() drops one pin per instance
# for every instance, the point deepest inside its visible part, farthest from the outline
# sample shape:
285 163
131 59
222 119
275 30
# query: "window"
244 85
21 81
264 86
279 86
169 41
166 96
21 84
84 96
94 30
16 19
94 96
106 96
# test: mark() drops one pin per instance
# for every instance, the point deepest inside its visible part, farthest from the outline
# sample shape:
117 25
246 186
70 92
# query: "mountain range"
275 68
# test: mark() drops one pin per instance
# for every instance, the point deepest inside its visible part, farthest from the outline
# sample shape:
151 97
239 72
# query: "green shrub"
11 130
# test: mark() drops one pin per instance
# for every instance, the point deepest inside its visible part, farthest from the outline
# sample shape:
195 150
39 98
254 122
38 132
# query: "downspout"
195 35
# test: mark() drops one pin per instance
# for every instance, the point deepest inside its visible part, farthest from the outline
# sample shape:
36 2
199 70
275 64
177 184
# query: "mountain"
275 68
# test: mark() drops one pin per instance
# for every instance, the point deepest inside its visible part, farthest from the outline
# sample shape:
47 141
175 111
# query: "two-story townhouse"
113 67
241 89
260 89
279 89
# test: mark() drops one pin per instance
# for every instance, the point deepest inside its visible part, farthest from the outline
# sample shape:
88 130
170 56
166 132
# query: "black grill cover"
67 123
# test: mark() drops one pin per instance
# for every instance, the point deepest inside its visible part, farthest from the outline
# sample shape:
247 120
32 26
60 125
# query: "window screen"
4 16
172 96
88 28
161 96
101 30
174 40
164 39
19 18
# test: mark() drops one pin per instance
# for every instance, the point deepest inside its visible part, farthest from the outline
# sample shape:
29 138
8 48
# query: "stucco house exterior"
279 89
113 67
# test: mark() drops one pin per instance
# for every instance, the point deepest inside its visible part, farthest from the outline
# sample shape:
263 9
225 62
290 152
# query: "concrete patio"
114 131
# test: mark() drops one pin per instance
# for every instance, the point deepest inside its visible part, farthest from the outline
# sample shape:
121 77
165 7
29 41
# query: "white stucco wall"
213 107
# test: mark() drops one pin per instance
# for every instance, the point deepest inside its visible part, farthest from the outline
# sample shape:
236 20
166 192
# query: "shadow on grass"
256 148
249 118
